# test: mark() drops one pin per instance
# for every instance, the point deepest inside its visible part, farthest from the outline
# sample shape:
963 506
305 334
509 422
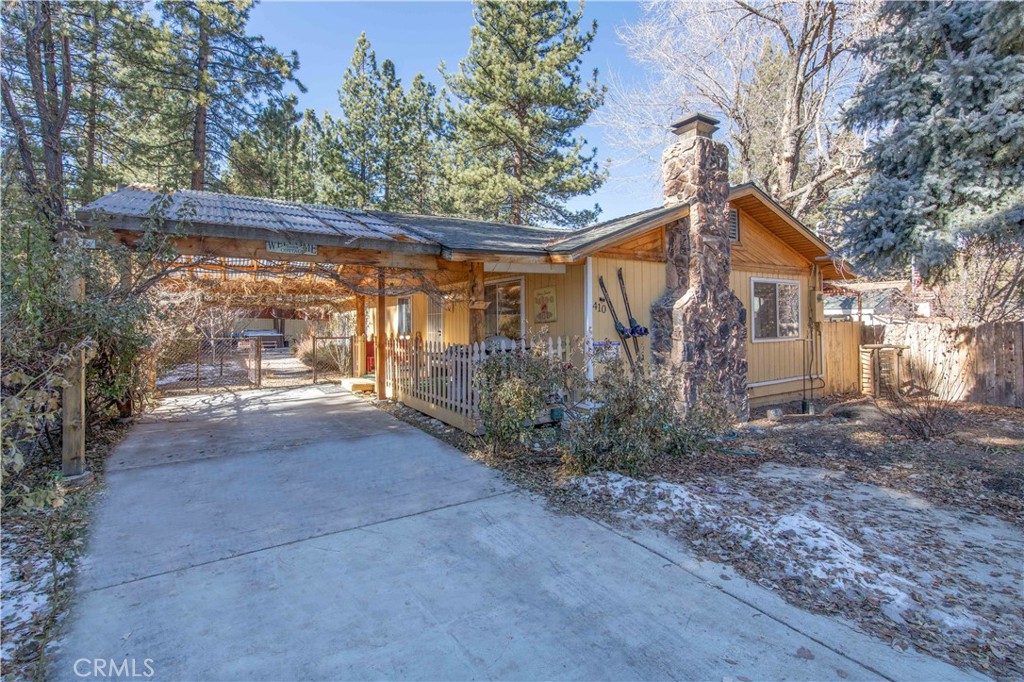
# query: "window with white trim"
435 320
404 317
734 225
775 309
504 315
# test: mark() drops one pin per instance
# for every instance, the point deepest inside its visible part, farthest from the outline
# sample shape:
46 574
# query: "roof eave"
589 248
99 219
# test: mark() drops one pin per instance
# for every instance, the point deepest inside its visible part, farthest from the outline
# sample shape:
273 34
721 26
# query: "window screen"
775 310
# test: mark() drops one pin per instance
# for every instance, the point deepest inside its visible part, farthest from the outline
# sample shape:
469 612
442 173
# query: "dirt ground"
34 603
918 542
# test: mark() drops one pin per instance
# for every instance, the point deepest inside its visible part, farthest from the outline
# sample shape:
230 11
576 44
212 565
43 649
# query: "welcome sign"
294 248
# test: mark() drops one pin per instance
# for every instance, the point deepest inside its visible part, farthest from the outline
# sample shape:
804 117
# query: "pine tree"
523 98
357 174
391 139
427 148
944 105
104 38
217 77
273 159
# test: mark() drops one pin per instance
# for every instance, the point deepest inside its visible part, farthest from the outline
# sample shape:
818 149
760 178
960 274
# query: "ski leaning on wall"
620 328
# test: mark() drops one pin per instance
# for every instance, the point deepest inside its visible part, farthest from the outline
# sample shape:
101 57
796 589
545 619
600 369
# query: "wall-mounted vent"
734 225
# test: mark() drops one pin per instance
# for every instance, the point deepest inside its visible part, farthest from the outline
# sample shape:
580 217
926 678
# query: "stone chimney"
699 327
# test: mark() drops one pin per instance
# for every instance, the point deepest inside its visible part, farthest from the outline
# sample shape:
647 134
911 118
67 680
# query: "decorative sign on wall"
545 309
296 248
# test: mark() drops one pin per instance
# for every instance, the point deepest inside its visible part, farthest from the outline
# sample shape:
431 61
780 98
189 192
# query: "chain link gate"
332 359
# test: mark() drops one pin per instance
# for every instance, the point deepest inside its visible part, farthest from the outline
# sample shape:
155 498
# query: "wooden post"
379 330
359 354
73 403
477 320
360 316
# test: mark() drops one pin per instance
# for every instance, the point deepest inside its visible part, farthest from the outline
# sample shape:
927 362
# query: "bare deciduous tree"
777 71
985 282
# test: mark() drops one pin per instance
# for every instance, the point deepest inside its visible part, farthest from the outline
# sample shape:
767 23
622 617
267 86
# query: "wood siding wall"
776 368
568 296
645 283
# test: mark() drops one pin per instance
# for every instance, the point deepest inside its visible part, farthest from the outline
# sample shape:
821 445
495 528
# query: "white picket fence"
437 378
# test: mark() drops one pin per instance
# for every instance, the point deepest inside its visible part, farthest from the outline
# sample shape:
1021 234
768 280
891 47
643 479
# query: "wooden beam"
379 333
477 319
223 247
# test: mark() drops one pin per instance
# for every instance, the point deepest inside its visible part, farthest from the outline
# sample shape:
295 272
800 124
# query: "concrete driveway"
302 534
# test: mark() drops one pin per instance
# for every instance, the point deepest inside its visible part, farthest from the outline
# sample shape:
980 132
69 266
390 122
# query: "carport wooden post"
477 306
378 332
360 352
73 401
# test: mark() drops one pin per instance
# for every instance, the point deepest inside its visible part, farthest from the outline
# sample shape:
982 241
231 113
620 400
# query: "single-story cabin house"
525 281
541 282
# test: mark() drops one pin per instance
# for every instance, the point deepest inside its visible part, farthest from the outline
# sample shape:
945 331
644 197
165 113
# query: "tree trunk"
91 113
202 105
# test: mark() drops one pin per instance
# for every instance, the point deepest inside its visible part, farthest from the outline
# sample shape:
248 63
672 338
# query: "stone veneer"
699 327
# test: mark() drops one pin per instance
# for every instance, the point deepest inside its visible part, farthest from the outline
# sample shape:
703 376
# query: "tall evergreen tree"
273 160
944 106
523 98
219 76
106 38
427 153
392 139
357 132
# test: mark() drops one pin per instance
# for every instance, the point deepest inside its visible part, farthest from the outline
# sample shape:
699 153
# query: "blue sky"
417 36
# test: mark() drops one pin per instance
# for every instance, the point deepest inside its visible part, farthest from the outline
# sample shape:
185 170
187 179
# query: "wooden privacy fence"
437 378
988 359
841 340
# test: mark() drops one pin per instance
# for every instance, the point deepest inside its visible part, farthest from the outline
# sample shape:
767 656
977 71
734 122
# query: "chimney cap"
700 125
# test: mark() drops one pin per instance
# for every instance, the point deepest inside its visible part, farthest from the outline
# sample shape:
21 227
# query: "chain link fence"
193 364
236 362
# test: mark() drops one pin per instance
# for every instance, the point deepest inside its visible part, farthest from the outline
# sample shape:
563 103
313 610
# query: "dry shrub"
636 420
925 407
332 355
515 385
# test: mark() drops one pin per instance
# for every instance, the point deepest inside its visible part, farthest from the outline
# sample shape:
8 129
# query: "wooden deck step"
359 384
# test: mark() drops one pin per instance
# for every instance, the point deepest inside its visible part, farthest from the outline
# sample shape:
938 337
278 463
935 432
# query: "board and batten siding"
645 283
776 368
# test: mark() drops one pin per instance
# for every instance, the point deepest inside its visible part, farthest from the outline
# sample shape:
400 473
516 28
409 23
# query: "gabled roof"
210 214
758 205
